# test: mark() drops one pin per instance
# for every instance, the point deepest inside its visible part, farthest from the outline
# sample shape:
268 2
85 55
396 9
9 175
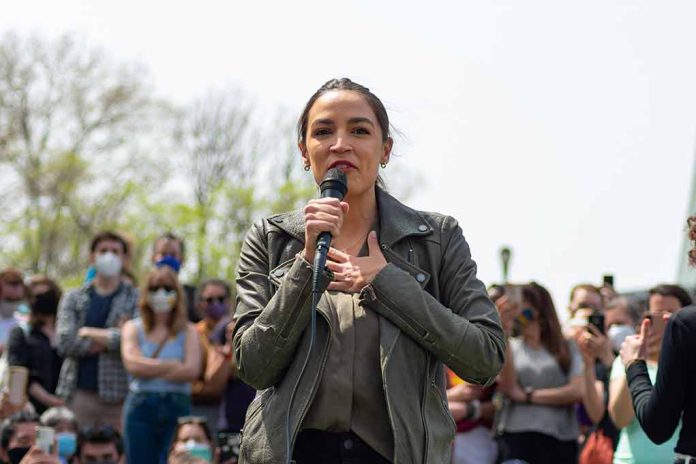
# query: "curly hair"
691 224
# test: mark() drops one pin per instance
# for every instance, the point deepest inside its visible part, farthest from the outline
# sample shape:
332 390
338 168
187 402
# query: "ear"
387 148
303 151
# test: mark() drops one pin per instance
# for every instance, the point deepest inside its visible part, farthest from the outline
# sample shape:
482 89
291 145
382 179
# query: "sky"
565 130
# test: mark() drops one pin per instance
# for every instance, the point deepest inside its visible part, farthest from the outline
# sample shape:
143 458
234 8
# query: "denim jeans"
149 421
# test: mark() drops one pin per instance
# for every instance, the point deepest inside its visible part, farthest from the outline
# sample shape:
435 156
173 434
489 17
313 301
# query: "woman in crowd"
193 438
63 421
34 344
634 447
161 352
404 300
542 378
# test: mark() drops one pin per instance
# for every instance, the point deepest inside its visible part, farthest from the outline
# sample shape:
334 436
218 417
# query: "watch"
528 392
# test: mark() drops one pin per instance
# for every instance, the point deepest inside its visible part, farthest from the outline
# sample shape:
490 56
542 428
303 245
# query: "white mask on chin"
108 264
617 334
161 300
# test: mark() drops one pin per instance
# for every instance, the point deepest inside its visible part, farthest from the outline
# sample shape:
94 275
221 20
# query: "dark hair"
169 236
9 425
551 333
43 302
107 235
345 84
674 291
99 434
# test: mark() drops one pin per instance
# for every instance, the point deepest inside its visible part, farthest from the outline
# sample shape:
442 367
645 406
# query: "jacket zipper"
423 415
315 384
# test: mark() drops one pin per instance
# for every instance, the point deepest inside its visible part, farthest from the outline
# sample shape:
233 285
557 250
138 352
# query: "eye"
361 131
321 131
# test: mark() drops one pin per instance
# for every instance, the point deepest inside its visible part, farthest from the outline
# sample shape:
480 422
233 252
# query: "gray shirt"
537 368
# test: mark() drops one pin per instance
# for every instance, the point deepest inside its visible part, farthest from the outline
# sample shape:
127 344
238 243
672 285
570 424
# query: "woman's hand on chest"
353 273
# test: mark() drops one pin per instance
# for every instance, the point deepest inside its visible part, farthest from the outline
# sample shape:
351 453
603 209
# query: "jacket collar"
396 221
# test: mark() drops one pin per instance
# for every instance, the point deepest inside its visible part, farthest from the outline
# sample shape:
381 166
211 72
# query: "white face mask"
617 334
107 264
161 301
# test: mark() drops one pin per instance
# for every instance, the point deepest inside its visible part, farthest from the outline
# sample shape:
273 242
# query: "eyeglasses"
215 299
154 288
183 420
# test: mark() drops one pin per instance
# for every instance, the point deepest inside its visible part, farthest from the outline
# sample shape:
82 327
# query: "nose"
340 144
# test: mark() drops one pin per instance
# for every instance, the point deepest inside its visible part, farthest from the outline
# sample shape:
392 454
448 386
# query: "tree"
70 127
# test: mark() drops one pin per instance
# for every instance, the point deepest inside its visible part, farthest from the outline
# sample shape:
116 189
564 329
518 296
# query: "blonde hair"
178 319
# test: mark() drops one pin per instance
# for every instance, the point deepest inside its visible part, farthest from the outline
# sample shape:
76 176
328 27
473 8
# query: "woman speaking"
400 298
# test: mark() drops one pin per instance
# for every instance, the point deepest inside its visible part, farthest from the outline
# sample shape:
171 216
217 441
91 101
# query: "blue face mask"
90 274
199 450
67 444
170 261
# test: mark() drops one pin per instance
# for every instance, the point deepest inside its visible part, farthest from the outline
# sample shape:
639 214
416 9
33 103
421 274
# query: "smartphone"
229 443
514 294
19 377
597 320
45 437
608 280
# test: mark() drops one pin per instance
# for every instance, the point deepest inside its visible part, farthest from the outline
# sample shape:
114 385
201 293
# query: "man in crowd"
89 336
101 445
18 436
170 250
13 301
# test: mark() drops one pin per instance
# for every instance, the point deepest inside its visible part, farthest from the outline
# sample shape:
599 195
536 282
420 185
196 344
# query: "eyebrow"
355 120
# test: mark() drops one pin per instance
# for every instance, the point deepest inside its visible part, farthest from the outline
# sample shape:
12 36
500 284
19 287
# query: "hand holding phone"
17 385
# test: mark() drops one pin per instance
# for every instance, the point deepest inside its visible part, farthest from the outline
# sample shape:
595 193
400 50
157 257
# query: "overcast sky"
563 129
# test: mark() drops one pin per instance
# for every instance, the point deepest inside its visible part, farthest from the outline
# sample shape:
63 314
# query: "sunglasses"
154 288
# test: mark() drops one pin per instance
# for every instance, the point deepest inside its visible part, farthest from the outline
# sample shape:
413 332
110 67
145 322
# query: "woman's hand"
516 394
593 344
352 273
322 215
635 347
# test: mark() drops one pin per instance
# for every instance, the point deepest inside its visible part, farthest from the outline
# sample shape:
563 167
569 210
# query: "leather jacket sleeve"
269 325
463 328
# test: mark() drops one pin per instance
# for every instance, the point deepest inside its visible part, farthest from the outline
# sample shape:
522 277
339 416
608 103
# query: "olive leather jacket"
433 311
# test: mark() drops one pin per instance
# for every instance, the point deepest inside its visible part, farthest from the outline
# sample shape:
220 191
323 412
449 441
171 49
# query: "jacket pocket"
420 275
276 275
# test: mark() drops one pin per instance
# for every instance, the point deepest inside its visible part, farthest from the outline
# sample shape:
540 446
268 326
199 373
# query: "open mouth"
343 165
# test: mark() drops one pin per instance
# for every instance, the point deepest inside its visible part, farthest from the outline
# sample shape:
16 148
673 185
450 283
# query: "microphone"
334 185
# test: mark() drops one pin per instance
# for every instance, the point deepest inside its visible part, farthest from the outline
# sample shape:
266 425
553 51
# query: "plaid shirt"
72 311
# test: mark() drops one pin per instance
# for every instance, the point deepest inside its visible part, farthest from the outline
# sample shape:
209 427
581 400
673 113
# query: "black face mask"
17 454
45 304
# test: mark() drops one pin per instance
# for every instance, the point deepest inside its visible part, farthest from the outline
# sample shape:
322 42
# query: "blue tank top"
173 349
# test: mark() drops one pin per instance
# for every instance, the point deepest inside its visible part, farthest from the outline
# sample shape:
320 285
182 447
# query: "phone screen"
229 443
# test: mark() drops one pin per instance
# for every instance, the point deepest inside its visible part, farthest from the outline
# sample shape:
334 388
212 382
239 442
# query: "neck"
532 335
161 319
105 285
361 215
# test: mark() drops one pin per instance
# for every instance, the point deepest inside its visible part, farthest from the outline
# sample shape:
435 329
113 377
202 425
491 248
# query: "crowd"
563 396
119 373
146 376
111 373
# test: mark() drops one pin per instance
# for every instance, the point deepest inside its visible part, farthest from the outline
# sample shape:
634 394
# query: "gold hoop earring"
306 167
